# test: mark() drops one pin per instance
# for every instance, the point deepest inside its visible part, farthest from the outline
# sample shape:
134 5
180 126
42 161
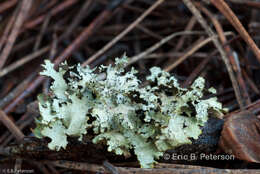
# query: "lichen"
149 120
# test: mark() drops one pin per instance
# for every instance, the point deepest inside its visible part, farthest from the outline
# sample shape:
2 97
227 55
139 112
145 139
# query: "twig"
49 4
182 39
78 18
229 14
151 33
191 51
41 167
236 67
250 82
23 44
32 86
52 169
6 5
25 120
200 67
173 55
16 91
11 126
110 167
59 8
77 165
7 29
90 29
42 31
216 42
21 123
196 71
160 43
123 33
25 7
131 170
189 27
83 36
23 61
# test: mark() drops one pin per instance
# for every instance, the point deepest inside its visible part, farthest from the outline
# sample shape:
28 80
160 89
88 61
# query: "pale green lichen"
149 120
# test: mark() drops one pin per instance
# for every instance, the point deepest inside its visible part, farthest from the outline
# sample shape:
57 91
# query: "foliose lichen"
149 120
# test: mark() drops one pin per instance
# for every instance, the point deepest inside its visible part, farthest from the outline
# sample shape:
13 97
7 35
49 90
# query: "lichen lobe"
149 120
